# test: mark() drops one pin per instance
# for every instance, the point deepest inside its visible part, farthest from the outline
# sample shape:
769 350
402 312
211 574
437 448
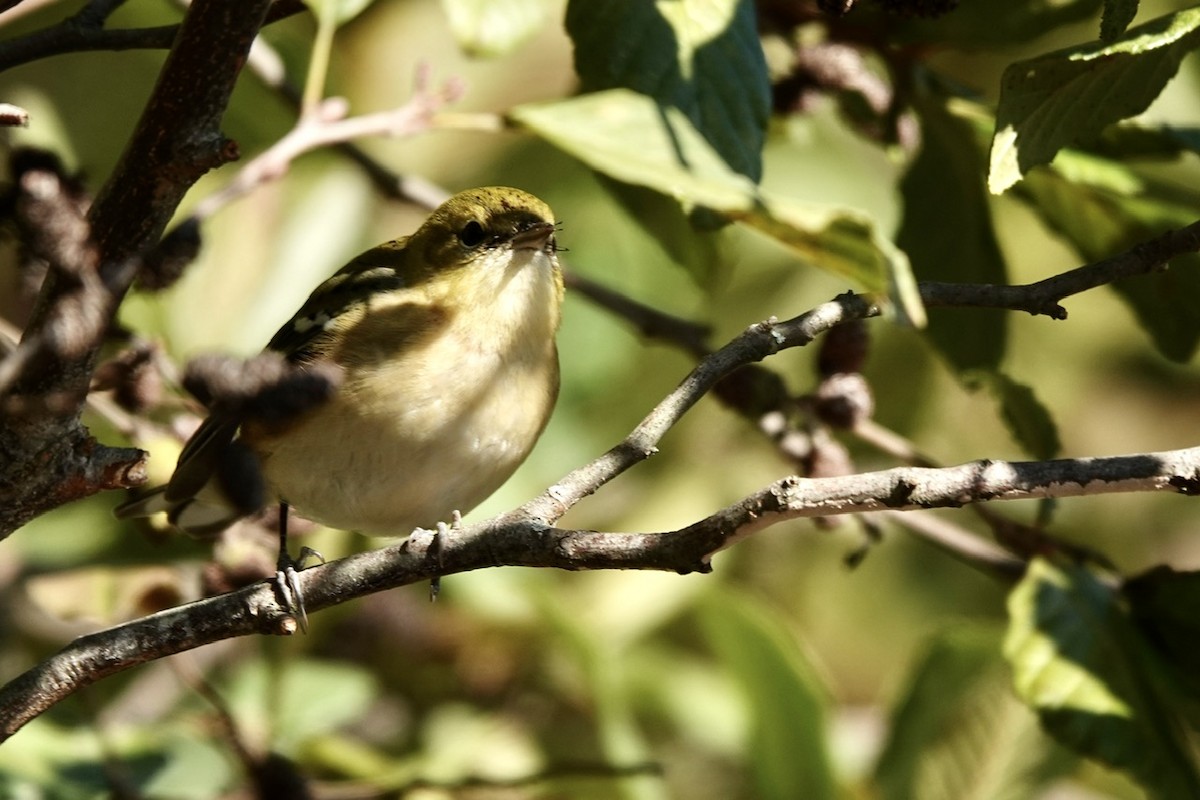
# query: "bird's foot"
436 545
287 580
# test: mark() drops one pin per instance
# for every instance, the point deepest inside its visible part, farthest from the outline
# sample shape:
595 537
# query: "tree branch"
1043 296
329 126
521 538
85 32
47 457
526 536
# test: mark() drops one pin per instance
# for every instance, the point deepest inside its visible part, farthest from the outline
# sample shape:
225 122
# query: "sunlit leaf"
787 702
702 57
495 27
629 137
1071 95
1079 663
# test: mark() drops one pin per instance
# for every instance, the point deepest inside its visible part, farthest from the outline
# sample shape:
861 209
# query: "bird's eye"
472 234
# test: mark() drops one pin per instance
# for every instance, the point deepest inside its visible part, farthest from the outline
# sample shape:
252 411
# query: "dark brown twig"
85 32
1045 296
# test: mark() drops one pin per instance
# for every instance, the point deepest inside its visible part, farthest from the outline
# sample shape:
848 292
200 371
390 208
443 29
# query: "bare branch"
959 543
1043 297
330 126
522 539
526 536
85 32
756 343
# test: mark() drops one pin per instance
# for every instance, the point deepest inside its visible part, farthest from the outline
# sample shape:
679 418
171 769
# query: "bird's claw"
287 579
443 530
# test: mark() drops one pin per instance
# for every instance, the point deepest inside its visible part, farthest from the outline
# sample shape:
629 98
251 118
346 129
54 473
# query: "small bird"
444 342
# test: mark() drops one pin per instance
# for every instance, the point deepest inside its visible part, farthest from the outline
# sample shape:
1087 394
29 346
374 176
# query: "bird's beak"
534 237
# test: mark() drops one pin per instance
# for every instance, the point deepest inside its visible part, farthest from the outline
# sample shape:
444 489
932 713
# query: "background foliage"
784 674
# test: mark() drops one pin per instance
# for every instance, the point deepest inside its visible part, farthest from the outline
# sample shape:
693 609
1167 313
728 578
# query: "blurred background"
606 684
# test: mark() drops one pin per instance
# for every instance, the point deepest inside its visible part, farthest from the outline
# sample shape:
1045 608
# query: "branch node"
1189 487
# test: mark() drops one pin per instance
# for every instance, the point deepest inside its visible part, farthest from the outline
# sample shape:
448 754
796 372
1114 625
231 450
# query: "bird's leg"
287 569
436 546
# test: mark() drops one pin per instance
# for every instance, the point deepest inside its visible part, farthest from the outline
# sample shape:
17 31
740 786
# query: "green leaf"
1026 418
983 24
1069 96
1130 140
662 218
843 242
948 235
1080 664
702 57
302 698
959 732
1116 18
629 137
787 702
491 28
1102 209
1163 603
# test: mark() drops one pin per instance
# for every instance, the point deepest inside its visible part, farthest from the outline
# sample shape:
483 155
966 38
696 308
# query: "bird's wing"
193 503
305 334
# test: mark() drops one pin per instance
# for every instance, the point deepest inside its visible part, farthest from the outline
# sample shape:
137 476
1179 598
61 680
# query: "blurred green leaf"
629 137
702 57
1102 209
301 698
959 732
1071 95
1095 684
948 235
491 28
1131 140
982 24
787 700
1163 603
191 769
157 759
1187 138
1026 418
660 216
343 10
1116 18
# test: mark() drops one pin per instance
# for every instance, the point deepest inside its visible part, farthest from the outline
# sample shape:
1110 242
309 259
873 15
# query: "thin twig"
329 126
649 321
1044 296
85 31
959 543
